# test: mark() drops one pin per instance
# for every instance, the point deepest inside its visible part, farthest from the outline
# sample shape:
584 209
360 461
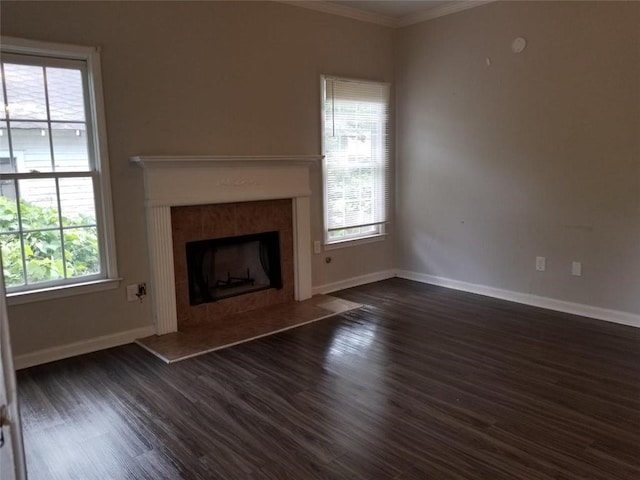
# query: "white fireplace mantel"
199 180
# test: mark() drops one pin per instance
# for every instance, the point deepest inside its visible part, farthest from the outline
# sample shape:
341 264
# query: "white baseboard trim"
78 348
615 316
354 282
121 338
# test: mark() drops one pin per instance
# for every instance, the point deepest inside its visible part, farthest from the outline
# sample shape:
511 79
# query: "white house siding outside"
31 151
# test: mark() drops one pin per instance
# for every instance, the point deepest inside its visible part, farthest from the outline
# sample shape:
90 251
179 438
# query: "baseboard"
122 338
615 316
78 348
354 282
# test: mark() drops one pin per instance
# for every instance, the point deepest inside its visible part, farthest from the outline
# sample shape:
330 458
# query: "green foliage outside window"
43 249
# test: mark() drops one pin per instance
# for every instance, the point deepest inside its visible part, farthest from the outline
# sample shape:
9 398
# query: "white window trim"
61 291
328 244
354 242
104 203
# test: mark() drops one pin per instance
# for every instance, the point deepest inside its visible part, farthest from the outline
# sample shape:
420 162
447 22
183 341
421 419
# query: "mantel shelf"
172 161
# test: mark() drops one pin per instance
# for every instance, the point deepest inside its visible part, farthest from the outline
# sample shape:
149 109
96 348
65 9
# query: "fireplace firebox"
231 266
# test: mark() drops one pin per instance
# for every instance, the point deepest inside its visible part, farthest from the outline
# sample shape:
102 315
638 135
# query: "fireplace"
200 183
198 229
233 266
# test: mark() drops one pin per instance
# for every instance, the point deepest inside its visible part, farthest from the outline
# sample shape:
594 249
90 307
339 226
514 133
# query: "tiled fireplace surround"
206 222
198 197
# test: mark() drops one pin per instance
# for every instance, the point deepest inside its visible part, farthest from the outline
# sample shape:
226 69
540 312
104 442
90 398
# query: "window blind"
356 164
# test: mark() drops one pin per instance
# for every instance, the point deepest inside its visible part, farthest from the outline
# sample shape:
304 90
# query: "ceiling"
392 8
390 13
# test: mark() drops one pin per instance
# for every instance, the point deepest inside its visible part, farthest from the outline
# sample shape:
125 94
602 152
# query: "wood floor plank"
421 383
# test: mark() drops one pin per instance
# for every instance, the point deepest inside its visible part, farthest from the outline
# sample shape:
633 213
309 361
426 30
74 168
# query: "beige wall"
197 78
537 154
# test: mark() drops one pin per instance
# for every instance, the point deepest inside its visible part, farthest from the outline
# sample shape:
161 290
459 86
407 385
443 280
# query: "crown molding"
342 11
440 11
385 20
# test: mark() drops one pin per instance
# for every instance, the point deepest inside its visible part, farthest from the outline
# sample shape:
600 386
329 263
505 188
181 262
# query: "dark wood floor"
422 383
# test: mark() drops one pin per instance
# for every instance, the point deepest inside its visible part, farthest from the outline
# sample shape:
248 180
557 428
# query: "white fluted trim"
163 289
302 247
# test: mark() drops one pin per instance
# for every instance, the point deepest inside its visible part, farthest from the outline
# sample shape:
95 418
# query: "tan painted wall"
197 78
538 154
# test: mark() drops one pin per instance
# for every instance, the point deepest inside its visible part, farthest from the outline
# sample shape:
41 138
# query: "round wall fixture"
518 45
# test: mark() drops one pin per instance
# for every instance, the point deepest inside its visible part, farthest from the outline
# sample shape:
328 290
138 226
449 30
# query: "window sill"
355 242
53 293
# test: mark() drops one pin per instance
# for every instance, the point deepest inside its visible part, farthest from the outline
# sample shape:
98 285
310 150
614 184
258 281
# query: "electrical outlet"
136 292
576 269
541 264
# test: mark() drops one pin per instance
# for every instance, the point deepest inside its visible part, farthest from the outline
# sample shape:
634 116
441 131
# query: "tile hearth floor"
242 327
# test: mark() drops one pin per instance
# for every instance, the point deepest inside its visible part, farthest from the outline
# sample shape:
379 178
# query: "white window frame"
380 229
96 122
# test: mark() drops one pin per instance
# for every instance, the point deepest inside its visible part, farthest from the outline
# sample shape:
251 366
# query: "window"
55 217
356 164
